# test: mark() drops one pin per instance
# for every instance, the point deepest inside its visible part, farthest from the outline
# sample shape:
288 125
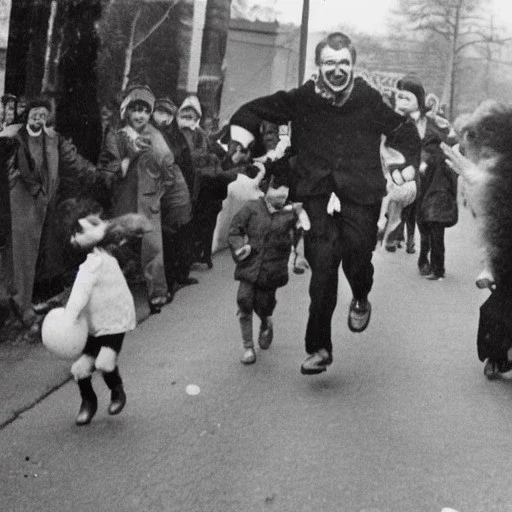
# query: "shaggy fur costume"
487 141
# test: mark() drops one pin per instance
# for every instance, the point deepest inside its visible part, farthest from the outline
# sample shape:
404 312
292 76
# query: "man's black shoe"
359 315
316 363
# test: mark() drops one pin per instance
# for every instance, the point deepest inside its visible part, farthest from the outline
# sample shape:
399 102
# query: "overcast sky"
365 15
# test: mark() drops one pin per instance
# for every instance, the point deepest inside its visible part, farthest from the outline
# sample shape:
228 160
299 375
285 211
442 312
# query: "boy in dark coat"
260 238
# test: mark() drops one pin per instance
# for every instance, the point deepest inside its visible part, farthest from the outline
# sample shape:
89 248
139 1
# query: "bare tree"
460 23
138 37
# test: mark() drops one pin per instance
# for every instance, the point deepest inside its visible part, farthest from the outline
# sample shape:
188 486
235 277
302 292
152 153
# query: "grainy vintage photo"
255 255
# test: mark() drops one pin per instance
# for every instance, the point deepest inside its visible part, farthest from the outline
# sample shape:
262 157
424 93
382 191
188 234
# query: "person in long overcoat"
43 159
436 202
142 168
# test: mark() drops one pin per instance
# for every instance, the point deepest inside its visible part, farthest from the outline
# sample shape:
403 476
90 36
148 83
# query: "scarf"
338 99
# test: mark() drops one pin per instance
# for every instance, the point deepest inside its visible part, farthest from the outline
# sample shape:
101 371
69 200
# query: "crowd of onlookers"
155 158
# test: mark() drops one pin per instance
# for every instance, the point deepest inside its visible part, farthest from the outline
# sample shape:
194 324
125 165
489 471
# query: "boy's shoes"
359 315
316 363
485 280
409 247
117 400
248 357
87 410
484 283
266 334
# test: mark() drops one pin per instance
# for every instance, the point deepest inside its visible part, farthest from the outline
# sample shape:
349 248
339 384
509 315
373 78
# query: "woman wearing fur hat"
143 168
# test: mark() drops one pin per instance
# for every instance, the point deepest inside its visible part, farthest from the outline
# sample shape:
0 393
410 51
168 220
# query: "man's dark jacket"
337 148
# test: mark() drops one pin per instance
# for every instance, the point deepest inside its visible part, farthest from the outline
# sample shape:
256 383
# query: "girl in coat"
101 295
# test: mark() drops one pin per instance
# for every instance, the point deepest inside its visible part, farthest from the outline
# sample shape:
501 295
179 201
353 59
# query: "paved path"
403 421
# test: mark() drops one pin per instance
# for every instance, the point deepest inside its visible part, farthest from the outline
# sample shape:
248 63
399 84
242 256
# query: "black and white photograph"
255 255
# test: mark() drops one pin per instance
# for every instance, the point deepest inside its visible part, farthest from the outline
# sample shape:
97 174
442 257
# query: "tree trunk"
453 63
49 45
211 74
303 40
129 51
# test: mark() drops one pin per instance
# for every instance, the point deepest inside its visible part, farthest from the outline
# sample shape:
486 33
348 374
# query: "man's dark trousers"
348 237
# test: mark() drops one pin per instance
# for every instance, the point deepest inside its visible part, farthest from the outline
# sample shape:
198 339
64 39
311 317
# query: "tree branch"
156 25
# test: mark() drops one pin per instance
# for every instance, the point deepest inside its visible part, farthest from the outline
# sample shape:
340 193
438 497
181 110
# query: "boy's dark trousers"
348 237
252 298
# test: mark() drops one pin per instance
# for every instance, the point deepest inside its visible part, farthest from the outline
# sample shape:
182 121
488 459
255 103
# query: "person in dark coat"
176 215
436 201
43 163
260 238
337 125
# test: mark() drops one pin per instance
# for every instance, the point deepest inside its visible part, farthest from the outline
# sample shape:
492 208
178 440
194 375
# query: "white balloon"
62 335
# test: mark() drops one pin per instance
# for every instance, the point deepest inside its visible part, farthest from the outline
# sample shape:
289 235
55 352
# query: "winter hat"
166 105
193 103
138 93
412 84
37 103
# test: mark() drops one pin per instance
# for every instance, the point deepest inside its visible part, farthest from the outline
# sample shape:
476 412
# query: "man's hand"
243 253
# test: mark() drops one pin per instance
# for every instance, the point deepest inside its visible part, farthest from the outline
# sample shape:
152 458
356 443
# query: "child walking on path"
260 238
101 295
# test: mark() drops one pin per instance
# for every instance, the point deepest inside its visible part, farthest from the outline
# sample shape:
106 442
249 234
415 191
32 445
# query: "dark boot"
118 396
89 404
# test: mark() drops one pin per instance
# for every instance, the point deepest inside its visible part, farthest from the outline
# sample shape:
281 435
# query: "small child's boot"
266 333
118 396
249 355
89 404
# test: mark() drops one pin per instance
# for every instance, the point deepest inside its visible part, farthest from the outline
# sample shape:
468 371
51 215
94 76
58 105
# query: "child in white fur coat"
101 295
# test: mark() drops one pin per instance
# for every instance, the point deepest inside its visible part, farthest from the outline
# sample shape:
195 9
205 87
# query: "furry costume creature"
101 295
485 163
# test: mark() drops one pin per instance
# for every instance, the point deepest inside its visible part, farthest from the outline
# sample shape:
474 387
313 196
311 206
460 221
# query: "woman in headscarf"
141 167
